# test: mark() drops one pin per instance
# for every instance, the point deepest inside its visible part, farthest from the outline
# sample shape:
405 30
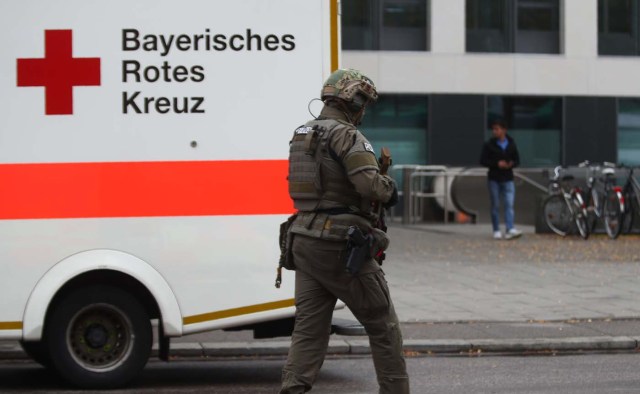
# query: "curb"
346 347
356 347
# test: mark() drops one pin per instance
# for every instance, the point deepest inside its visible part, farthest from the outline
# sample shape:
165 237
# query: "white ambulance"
143 164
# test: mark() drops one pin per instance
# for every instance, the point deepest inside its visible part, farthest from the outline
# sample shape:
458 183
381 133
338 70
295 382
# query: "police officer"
333 180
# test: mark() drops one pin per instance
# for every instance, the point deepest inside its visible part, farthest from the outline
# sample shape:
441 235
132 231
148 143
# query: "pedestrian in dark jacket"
500 154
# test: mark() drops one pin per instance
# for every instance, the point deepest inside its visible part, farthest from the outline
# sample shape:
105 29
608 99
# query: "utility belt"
337 224
330 225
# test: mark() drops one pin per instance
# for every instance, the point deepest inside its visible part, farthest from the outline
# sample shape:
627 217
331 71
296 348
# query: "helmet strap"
359 115
354 117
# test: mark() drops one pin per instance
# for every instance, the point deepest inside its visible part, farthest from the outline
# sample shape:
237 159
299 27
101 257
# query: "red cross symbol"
59 72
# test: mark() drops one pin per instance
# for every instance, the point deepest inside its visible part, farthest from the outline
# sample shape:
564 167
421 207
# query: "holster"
363 246
359 246
286 238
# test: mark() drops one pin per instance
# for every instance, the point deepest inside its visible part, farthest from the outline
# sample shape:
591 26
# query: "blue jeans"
505 192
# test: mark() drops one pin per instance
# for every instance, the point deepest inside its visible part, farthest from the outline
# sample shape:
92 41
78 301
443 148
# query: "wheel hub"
100 337
96 336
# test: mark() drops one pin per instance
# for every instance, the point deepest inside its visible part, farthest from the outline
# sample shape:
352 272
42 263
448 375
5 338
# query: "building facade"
564 74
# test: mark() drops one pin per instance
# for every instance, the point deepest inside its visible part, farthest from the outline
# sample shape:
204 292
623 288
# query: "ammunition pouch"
380 244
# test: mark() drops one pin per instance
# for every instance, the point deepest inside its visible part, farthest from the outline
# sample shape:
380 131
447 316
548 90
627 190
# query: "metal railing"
418 180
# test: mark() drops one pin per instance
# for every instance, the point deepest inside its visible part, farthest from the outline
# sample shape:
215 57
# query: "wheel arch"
102 267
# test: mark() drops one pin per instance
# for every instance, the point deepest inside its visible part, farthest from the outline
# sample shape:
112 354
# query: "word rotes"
131 41
132 71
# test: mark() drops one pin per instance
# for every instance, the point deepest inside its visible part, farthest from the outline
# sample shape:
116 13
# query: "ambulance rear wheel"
37 351
99 337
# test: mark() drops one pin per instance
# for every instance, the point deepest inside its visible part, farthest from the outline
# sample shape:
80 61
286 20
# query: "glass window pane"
485 14
535 123
618 27
537 17
404 14
404 25
357 25
399 122
629 131
487 29
538 27
619 17
385 25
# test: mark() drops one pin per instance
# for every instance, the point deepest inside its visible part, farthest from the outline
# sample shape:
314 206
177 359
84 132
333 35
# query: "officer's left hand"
394 198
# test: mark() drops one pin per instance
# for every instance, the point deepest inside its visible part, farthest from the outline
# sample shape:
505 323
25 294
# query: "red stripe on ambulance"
143 189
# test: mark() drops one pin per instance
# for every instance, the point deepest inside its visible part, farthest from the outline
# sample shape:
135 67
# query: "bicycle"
595 201
565 207
631 195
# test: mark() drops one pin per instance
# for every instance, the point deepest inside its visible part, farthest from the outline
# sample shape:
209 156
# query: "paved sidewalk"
449 273
458 291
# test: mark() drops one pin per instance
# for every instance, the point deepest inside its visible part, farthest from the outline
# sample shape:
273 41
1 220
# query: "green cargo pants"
321 280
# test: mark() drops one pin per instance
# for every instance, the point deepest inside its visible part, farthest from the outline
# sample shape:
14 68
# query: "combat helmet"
351 86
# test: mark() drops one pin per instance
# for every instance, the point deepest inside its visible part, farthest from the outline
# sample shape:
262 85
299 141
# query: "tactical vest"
318 181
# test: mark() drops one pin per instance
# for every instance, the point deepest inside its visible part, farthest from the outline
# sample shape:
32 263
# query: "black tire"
594 210
580 215
557 215
98 337
612 214
631 209
37 351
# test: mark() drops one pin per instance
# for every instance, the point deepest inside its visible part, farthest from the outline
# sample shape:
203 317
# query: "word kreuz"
161 105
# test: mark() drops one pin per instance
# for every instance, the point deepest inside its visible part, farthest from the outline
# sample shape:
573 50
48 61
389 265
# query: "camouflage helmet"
351 86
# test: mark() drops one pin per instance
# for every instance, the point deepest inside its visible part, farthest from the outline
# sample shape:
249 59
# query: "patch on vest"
368 147
303 130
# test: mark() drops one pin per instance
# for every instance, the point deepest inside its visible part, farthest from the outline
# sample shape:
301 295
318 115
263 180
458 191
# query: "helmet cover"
351 86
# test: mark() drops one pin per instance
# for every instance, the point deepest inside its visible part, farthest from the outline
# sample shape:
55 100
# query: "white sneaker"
513 234
497 235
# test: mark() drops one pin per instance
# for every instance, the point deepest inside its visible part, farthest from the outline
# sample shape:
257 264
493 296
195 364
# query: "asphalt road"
596 373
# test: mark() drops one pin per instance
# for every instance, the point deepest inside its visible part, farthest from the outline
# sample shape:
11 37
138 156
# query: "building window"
520 26
399 122
487 26
535 123
618 27
388 25
629 131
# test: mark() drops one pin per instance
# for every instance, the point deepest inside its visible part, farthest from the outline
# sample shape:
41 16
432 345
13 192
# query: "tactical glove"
394 198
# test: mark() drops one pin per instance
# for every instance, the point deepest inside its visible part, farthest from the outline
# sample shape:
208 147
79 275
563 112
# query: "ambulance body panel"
149 139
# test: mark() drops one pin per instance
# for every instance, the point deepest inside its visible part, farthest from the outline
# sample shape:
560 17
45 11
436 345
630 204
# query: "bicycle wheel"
612 213
594 210
580 215
557 214
630 211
